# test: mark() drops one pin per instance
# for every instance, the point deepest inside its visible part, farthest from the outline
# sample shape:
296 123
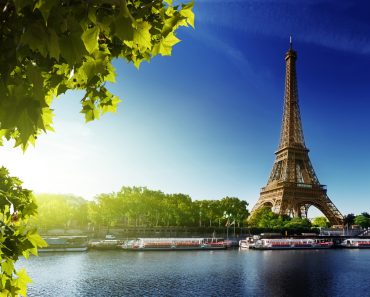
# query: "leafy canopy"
266 218
320 222
49 47
17 206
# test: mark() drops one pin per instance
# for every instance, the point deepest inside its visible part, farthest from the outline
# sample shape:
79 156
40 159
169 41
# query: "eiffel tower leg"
259 205
326 206
297 211
304 210
289 207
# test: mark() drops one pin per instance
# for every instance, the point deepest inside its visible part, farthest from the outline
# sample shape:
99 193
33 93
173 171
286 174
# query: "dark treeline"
264 218
362 220
138 207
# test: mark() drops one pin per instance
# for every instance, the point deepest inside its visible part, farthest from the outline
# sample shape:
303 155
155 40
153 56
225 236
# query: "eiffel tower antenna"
290 42
293 186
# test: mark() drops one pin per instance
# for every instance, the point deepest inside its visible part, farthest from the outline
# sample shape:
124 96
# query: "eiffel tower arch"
293 186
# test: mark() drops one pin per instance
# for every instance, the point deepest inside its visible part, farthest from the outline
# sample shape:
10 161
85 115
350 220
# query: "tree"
60 211
49 47
212 211
265 218
362 221
183 207
366 214
349 219
298 223
234 209
17 206
320 222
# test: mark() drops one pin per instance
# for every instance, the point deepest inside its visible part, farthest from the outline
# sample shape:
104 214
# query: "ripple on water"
200 273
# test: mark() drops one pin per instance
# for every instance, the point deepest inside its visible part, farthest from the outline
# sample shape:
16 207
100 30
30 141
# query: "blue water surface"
201 273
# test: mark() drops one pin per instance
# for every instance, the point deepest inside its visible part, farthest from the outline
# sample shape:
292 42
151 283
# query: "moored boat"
65 244
172 244
248 242
291 243
357 243
106 244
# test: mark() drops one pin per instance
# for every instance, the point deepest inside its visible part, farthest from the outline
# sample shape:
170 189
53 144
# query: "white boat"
65 244
106 244
359 243
172 244
243 244
291 243
248 243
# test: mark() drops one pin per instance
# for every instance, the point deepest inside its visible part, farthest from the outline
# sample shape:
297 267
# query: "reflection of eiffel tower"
293 186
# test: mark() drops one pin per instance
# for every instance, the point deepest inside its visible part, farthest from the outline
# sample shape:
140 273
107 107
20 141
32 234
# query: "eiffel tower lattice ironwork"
293 185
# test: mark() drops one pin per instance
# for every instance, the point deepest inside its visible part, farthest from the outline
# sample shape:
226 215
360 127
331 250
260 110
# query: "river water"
201 273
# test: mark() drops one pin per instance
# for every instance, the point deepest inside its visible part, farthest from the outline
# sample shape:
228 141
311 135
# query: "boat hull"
61 249
106 244
365 246
356 243
291 248
173 244
65 244
291 244
174 249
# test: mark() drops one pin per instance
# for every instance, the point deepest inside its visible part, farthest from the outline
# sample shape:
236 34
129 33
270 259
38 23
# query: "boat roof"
171 239
65 236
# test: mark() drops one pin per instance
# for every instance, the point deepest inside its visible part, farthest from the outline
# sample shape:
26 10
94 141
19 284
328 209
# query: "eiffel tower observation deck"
293 186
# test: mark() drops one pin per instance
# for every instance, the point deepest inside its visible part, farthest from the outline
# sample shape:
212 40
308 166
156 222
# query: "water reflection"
294 273
201 273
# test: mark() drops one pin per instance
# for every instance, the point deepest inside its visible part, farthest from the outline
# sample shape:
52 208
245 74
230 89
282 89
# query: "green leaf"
123 28
91 68
20 4
164 47
7 267
89 108
91 115
142 36
45 7
36 240
25 127
172 23
22 281
35 37
187 12
72 48
53 44
35 77
112 106
90 39
47 119
111 74
92 14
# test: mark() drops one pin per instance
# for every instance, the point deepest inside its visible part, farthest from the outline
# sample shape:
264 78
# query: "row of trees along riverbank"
137 207
142 208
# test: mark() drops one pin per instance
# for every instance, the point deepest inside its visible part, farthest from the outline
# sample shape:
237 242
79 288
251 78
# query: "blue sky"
206 121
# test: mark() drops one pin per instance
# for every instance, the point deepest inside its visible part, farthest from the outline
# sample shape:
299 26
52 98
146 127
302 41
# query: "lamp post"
200 216
227 216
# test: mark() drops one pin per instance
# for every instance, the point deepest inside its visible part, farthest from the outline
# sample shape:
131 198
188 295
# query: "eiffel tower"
293 185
